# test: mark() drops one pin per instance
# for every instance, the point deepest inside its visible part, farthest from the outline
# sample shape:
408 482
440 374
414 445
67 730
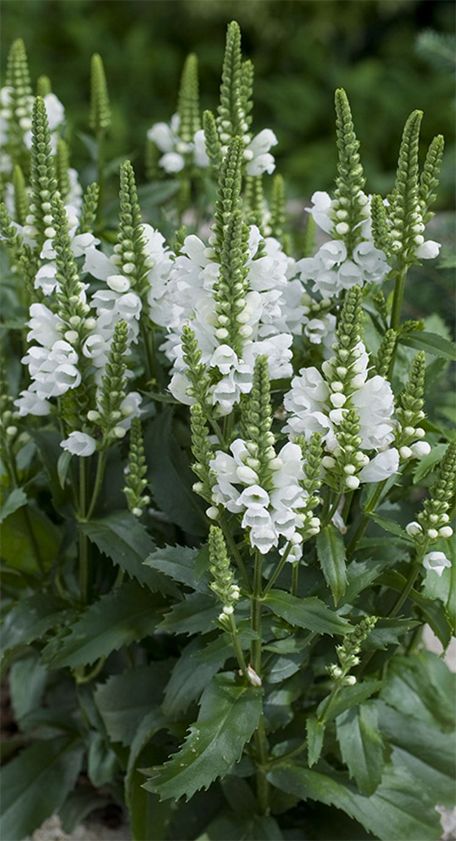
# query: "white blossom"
437 562
79 444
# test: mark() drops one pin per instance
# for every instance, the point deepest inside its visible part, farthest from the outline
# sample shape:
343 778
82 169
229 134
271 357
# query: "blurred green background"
384 52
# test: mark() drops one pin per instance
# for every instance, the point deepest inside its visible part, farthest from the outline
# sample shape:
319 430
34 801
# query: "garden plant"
226 498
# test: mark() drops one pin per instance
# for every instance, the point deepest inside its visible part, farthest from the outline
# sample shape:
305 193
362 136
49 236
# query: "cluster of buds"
312 456
433 520
348 652
349 208
136 481
223 585
409 437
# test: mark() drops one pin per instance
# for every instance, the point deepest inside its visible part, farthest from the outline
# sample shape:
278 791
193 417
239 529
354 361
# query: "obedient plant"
226 494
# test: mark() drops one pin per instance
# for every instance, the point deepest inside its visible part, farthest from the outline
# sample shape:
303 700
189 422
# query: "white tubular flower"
374 403
257 154
428 250
306 402
437 562
321 210
45 326
28 403
55 111
381 467
79 444
199 149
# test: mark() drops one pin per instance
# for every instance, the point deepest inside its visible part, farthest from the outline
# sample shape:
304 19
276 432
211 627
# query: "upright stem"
100 171
398 297
98 482
278 569
237 646
363 523
295 578
260 739
83 542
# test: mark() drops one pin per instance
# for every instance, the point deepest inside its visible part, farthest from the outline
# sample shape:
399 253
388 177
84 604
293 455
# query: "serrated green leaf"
389 631
15 500
425 751
170 476
361 746
127 543
315 731
35 784
30 619
229 716
309 613
361 574
348 696
196 614
27 680
196 666
143 807
125 699
397 809
331 556
391 527
179 563
422 687
429 462
431 343
126 615
102 762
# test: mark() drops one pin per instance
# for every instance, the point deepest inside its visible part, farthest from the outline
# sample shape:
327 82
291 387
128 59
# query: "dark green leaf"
193 671
315 731
229 716
331 556
30 619
179 563
125 699
63 466
348 696
310 613
360 575
170 476
391 527
361 746
197 613
143 806
35 784
397 810
429 462
389 631
127 543
423 687
78 805
27 680
431 343
15 500
101 761
126 615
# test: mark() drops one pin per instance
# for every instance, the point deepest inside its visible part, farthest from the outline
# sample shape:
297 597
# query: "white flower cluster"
317 402
332 269
23 115
268 514
273 310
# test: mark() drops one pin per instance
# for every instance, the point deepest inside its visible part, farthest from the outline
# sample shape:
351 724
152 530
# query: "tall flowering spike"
247 76
349 203
113 386
136 481
257 423
254 199
19 254
89 208
349 326
348 652
72 308
130 248
231 287
8 422
62 165
20 102
386 352
43 86
202 453
380 230
230 120
21 202
100 111
312 453
43 180
229 191
429 180
434 518
405 212
212 142
188 101
196 371
151 160
410 412
277 208
224 583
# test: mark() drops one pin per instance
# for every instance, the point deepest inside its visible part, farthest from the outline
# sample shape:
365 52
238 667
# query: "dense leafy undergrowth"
228 478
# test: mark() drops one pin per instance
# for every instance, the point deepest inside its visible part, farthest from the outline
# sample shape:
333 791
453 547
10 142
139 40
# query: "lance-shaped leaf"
182 563
229 716
125 699
361 746
398 808
309 613
196 666
30 619
348 696
331 556
422 687
126 615
315 731
196 614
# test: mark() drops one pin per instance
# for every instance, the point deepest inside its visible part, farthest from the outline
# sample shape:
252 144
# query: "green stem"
237 646
295 578
236 554
98 483
332 511
278 569
83 542
261 742
398 298
363 523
